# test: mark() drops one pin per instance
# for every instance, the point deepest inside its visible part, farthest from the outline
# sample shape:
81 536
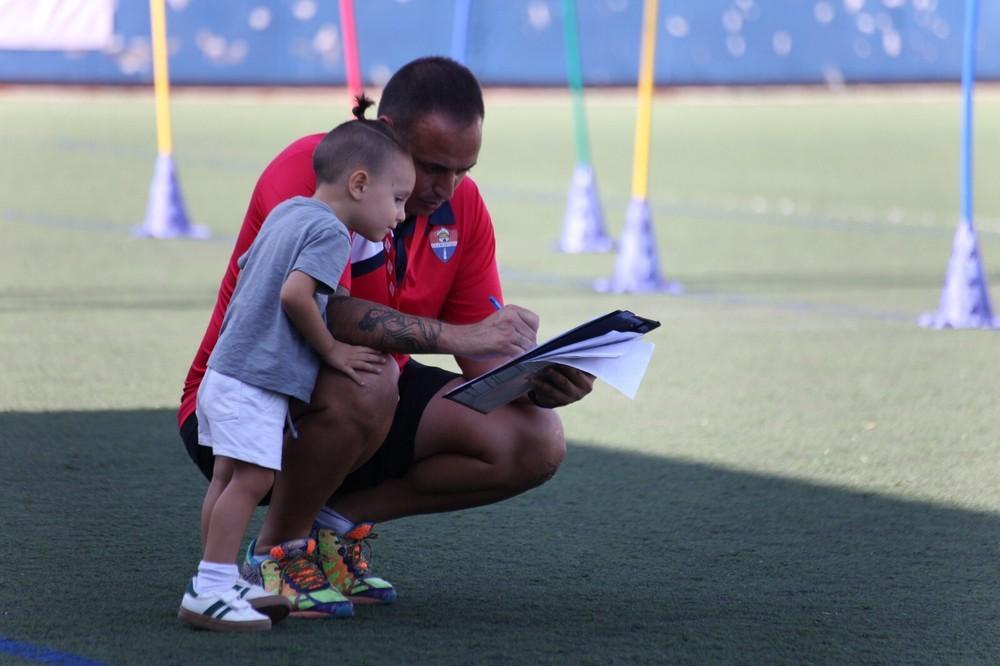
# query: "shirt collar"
444 215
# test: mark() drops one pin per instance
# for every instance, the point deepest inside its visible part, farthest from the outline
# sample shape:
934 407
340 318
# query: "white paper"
624 371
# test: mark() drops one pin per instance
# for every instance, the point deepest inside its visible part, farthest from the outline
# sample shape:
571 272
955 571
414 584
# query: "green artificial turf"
806 476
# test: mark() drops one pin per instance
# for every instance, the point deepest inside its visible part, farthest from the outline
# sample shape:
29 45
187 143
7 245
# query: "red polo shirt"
442 266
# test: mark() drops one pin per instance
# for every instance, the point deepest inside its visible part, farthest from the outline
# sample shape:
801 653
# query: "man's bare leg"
345 424
464 459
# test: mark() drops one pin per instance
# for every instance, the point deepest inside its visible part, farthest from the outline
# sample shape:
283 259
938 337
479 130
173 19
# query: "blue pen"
495 303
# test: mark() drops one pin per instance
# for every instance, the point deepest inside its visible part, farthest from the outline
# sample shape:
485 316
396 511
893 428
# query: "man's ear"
387 120
357 184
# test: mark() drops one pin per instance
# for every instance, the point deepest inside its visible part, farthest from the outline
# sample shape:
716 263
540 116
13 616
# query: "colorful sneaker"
274 606
345 562
290 570
225 611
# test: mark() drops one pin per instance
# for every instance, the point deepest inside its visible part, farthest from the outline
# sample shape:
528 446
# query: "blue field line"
11 215
144 154
773 213
793 220
62 221
148 154
808 307
43 655
748 300
662 208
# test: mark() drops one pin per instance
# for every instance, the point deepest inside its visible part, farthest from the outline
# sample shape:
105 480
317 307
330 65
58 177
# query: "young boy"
270 347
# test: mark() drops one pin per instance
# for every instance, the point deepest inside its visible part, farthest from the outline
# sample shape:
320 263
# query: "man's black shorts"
418 383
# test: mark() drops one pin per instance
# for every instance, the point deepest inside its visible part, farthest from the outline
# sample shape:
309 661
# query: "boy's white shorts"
241 421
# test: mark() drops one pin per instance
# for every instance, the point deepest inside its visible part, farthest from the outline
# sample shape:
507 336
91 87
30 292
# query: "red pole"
351 62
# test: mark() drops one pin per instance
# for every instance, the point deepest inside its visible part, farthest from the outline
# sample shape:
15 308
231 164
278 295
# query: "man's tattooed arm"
360 322
503 334
397 332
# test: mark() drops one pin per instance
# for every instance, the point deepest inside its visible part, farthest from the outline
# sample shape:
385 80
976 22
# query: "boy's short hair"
356 144
434 84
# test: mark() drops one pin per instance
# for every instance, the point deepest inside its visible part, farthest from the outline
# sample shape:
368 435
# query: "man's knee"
541 448
341 406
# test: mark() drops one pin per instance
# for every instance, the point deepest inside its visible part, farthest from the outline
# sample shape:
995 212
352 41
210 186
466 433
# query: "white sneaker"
272 605
223 611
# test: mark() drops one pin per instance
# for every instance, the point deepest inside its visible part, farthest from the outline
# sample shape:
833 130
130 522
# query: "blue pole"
965 298
968 82
460 31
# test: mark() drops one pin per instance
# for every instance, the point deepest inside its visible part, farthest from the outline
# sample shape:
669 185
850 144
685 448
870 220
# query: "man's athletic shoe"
345 562
274 606
223 611
291 571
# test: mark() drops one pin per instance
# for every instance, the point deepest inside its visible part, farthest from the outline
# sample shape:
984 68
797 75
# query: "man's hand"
351 360
506 333
560 385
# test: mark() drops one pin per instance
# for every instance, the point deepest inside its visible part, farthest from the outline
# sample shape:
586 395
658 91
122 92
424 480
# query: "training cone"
583 224
965 298
165 213
637 267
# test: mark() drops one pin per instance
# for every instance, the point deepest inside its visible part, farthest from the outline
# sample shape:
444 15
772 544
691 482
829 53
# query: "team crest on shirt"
443 242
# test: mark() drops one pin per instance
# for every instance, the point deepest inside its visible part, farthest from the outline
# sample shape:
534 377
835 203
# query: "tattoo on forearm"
397 332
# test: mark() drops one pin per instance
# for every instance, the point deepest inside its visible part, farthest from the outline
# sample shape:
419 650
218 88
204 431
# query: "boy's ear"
357 184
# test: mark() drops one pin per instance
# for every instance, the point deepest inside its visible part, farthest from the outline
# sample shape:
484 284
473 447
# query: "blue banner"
520 42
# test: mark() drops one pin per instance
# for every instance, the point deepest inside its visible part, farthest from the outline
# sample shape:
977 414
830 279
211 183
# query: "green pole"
574 71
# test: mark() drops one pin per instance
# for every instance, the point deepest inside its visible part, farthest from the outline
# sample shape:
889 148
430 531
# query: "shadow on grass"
622 557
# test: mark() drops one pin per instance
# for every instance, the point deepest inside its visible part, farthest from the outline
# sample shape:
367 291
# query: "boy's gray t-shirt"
258 344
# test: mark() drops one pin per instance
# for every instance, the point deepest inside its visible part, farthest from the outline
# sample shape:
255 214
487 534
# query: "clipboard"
512 379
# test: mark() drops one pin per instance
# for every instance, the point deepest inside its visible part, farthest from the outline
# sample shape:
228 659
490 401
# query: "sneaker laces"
303 572
358 554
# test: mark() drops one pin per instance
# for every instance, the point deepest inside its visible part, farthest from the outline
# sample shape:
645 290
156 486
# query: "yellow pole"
640 163
161 75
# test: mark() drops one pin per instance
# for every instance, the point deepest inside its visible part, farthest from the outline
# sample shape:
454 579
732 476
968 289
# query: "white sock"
215 577
332 520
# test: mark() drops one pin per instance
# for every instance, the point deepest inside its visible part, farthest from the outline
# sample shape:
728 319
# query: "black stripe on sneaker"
210 611
223 613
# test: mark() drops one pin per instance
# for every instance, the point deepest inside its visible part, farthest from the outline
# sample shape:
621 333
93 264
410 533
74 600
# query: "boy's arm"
297 294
